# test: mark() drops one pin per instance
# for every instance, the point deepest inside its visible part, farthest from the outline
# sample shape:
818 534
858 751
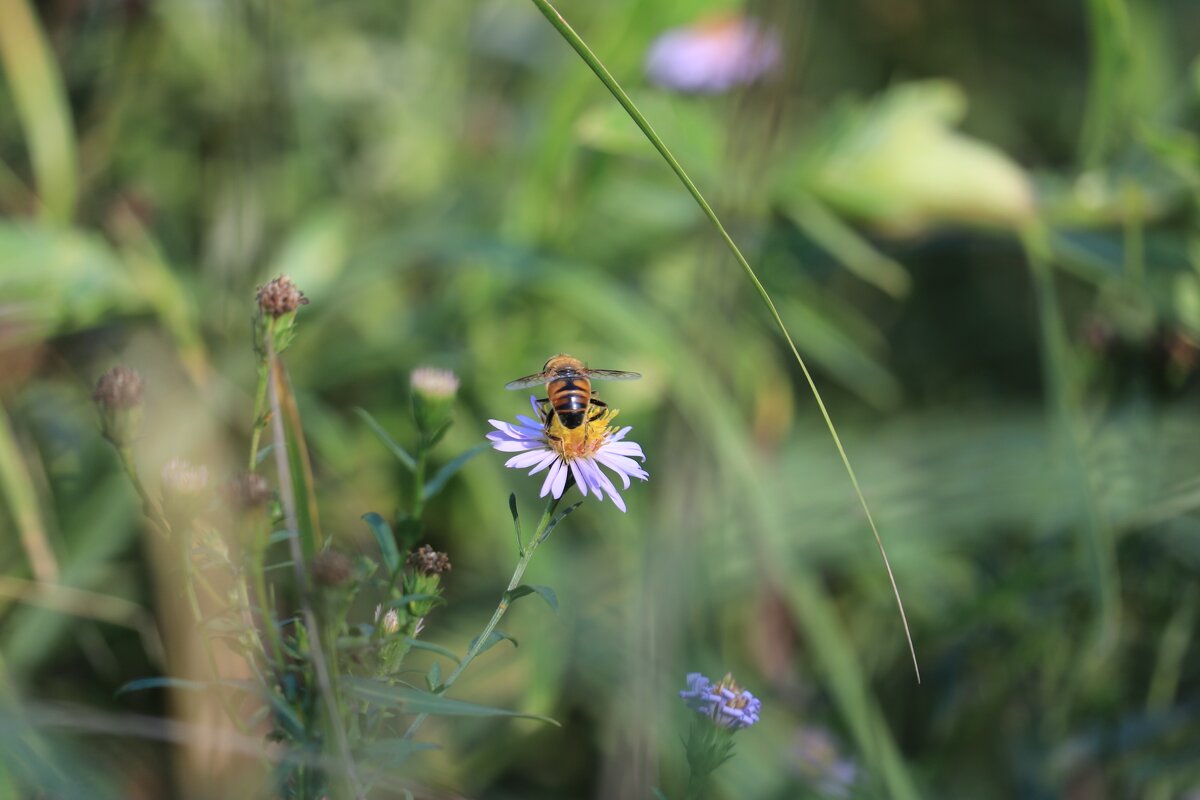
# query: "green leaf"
409 700
492 640
512 508
141 684
437 435
386 539
545 592
417 644
439 480
399 452
559 517
434 678
394 750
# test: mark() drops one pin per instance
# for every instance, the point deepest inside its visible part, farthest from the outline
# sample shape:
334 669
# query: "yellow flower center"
727 683
581 442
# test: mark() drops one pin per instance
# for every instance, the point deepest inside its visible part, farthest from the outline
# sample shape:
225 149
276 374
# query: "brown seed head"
280 296
247 491
331 568
428 561
120 387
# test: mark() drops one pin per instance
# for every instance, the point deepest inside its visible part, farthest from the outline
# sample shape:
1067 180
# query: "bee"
569 392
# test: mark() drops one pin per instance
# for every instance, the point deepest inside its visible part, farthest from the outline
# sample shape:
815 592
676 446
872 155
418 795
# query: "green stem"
418 501
610 83
498 614
260 396
150 507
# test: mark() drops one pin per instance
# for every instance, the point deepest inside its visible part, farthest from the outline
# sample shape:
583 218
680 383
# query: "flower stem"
501 608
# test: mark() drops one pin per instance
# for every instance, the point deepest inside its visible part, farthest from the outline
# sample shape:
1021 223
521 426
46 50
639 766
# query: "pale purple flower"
820 762
577 453
713 55
729 705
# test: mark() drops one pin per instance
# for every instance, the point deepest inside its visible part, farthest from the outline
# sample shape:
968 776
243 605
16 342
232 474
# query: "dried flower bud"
247 492
120 387
280 296
331 568
434 383
391 622
428 561
118 396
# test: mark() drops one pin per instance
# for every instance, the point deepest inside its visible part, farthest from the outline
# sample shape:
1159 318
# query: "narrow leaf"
439 480
559 517
493 638
512 508
434 678
409 700
545 592
399 452
417 644
299 464
386 540
141 684
405 599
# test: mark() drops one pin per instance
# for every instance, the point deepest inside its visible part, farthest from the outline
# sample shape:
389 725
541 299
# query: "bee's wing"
527 381
612 375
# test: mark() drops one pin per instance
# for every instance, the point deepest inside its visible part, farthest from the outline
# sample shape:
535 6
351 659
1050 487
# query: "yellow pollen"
581 442
728 683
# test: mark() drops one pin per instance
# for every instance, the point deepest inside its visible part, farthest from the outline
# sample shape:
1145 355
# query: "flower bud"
278 301
247 492
433 392
280 296
118 396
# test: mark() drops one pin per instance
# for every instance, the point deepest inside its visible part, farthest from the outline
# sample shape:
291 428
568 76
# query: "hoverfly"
569 392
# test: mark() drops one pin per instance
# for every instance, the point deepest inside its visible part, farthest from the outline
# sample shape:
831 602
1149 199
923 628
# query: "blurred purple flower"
819 762
575 452
713 55
729 705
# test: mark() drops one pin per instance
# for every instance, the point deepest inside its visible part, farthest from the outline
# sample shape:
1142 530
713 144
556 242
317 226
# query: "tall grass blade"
610 83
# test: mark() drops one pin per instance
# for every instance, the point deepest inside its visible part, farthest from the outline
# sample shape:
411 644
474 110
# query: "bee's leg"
544 410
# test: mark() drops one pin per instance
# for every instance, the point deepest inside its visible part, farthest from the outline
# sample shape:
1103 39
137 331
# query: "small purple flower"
713 55
575 452
729 705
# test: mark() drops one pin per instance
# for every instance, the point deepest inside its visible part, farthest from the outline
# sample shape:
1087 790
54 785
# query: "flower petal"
527 459
550 477
579 479
549 458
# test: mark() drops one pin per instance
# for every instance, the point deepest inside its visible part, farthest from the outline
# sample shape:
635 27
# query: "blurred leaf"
394 750
853 251
399 452
545 592
405 599
386 540
433 678
408 700
418 644
897 162
40 100
162 683
443 475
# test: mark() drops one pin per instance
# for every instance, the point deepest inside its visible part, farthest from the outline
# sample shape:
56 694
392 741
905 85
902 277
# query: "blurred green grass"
450 186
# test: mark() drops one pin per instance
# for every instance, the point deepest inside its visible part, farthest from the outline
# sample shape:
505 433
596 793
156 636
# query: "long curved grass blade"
40 100
568 33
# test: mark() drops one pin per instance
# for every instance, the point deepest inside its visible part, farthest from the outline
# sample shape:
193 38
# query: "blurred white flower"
713 55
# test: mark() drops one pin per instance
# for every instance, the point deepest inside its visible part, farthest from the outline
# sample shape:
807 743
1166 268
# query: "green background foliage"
978 220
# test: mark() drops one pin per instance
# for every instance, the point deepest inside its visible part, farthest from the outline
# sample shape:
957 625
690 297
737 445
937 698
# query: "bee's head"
562 362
